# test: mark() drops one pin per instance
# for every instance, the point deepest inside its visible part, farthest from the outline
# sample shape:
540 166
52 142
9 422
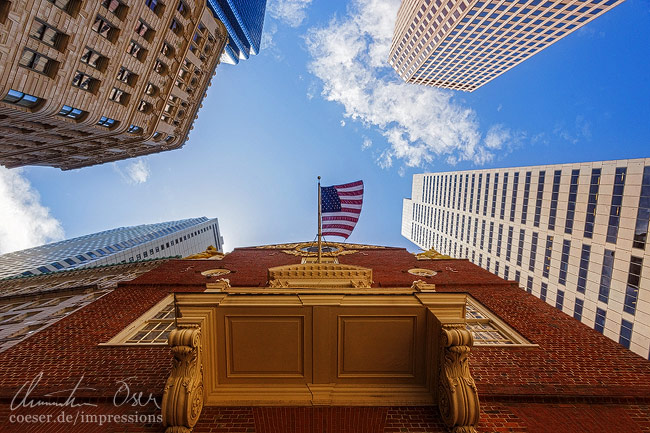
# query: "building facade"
87 82
244 20
464 44
121 245
574 235
373 339
30 304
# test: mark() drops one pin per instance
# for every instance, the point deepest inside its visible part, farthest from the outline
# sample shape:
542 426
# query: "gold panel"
380 346
265 346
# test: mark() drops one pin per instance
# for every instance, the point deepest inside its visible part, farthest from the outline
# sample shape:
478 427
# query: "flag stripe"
342 222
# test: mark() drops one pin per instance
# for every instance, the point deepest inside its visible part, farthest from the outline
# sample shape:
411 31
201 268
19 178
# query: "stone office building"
87 82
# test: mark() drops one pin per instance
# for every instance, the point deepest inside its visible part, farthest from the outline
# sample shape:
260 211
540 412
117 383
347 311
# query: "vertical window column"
509 244
643 214
490 237
626 333
529 285
606 276
487 193
540 196
533 252
520 250
543 292
504 192
592 201
478 193
559 300
471 193
584 268
617 201
571 209
499 240
513 204
632 289
577 309
495 190
524 205
557 177
547 256
599 324
564 261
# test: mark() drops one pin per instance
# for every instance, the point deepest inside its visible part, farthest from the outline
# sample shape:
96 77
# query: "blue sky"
320 100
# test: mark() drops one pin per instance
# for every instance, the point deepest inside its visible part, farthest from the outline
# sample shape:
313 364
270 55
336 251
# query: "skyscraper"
244 20
575 235
120 245
83 83
464 44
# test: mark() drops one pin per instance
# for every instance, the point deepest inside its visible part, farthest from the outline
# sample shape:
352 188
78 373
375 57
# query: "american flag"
341 207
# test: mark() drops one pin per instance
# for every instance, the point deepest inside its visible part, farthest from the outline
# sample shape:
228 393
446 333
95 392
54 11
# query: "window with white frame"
488 329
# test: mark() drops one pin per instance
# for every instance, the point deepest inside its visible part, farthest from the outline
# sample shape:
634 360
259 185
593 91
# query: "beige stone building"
464 44
87 82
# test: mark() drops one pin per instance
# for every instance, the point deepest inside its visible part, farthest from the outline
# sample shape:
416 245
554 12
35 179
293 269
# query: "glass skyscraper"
120 245
244 20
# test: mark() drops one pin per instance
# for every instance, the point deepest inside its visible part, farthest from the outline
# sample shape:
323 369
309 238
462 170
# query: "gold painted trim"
124 334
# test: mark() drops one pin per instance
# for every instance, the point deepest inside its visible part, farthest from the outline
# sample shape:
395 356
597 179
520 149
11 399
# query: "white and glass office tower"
575 235
120 245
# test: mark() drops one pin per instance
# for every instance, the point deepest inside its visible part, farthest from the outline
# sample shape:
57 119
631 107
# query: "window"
606 276
22 99
154 5
115 7
487 329
617 200
643 214
72 113
564 261
151 90
160 67
126 76
175 26
557 177
533 252
520 249
144 30
38 62
540 196
577 309
571 209
506 272
592 201
144 107
65 5
504 191
529 285
543 292
524 208
108 123
633 280
48 35
152 328
626 333
133 129
94 59
599 323
494 194
182 8
104 28
85 82
584 268
517 276
167 50
513 204
157 135
136 50
559 300
509 244
119 96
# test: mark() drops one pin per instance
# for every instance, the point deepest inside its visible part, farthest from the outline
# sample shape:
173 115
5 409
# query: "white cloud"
367 143
291 12
342 123
25 221
421 124
135 172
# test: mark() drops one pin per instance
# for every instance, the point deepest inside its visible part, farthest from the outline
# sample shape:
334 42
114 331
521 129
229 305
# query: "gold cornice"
320 275
211 253
431 254
340 249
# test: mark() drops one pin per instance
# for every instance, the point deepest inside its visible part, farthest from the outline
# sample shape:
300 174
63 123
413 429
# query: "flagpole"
319 221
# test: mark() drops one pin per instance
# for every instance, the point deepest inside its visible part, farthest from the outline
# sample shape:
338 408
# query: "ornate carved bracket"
421 286
183 395
320 275
457 394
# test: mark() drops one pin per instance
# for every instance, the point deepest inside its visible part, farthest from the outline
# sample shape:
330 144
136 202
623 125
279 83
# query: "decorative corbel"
457 394
421 286
183 395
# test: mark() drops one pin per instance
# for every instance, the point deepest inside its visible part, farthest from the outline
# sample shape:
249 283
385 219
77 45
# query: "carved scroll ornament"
183 395
457 394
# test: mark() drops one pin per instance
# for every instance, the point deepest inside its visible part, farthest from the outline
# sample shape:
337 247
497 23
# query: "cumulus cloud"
421 124
292 12
25 221
135 172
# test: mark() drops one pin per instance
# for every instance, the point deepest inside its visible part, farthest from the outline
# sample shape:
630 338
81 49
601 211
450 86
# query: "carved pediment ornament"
421 286
431 255
329 249
320 275
457 393
182 400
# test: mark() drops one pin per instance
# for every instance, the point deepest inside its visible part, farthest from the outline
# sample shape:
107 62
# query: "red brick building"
106 366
